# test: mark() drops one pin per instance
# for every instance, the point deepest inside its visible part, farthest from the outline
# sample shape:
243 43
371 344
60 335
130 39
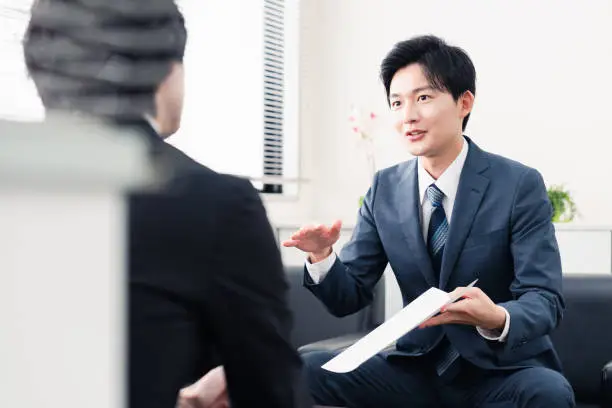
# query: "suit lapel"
470 192
407 201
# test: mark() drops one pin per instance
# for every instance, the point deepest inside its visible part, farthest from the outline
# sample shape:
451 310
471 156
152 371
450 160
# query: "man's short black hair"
447 68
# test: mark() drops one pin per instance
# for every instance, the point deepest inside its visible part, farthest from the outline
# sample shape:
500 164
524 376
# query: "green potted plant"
564 209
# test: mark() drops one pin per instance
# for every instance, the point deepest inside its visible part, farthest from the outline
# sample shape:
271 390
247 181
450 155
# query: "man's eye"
423 98
395 104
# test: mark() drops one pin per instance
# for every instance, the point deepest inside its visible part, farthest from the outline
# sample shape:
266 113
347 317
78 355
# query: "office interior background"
287 93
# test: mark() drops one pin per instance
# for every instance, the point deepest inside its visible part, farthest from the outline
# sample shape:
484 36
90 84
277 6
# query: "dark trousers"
412 382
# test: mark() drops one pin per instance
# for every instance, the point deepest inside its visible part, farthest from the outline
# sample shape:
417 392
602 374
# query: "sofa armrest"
335 344
606 386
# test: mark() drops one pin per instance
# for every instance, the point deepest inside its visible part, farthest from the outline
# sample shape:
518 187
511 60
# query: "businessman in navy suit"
453 214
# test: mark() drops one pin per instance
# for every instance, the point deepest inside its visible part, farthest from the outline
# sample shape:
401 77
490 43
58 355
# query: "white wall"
543 92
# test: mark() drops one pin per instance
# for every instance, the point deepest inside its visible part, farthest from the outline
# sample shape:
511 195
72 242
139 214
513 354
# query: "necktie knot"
434 195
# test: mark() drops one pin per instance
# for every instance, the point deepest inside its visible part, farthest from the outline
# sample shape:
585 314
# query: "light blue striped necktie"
436 241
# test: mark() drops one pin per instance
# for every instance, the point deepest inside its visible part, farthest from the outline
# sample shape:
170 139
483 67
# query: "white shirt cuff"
319 270
494 335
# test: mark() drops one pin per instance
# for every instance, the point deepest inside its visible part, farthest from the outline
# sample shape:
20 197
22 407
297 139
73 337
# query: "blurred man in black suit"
206 282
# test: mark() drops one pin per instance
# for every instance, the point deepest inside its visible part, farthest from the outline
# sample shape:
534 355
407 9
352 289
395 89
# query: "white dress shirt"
448 183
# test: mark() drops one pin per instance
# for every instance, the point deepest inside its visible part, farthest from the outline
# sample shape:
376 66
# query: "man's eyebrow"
416 90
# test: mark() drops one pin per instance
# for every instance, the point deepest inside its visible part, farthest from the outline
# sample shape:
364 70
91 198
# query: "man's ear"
466 103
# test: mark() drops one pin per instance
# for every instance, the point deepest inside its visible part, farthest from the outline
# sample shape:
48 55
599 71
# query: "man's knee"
316 377
549 389
313 361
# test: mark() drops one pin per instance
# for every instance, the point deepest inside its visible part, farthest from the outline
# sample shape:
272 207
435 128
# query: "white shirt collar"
448 182
152 122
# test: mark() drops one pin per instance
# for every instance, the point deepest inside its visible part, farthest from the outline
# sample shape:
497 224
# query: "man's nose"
410 114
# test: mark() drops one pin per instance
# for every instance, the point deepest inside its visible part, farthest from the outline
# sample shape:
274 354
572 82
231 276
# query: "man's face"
169 101
428 119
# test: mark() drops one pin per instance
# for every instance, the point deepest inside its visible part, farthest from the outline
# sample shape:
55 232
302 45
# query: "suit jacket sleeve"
538 304
248 309
348 286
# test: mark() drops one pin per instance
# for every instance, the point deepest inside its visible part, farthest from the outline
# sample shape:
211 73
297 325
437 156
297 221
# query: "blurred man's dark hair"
103 57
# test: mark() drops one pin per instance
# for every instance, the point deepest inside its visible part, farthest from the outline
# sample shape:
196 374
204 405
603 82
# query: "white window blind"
274 46
19 99
238 79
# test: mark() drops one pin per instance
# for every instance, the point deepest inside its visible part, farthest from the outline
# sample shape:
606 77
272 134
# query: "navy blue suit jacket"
206 287
500 232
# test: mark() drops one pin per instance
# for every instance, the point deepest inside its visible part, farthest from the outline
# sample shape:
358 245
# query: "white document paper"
411 316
